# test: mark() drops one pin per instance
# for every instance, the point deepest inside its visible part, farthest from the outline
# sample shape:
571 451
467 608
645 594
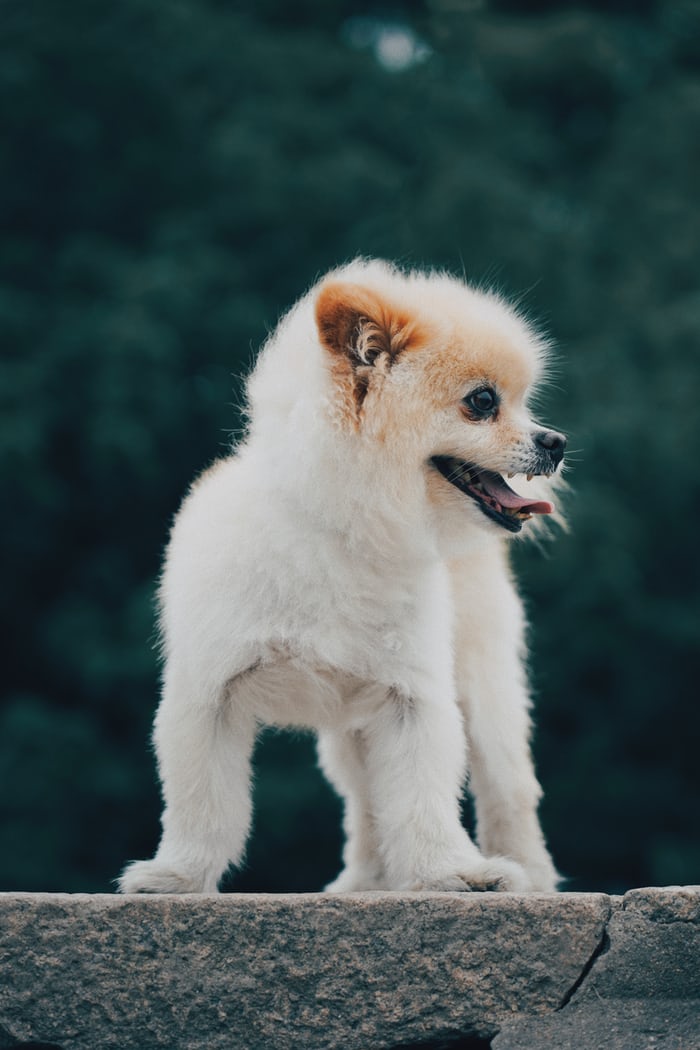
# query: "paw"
491 873
543 877
354 880
152 876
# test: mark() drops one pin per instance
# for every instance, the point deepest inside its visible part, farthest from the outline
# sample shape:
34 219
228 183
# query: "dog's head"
439 375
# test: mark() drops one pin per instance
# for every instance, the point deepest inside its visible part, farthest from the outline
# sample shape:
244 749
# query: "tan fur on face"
400 360
365 333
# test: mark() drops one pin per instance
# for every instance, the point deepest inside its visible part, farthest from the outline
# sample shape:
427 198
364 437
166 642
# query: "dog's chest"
386 628
292 689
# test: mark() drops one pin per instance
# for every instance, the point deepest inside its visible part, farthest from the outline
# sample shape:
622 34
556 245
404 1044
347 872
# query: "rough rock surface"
642 990
357 971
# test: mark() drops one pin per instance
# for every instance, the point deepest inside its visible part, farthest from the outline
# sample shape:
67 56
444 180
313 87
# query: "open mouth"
489 490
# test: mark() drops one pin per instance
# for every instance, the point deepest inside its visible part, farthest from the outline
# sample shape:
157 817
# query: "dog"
346 570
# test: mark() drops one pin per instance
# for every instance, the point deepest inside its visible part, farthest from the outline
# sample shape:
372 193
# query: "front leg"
415 764
204 742
494 697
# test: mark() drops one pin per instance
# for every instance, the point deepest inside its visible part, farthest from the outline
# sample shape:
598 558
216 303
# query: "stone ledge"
354 972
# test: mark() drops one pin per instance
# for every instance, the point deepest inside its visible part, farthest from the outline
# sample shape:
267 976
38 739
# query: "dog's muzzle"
490 492
550 446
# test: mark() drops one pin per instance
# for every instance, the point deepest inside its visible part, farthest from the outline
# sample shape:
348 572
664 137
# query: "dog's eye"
481 403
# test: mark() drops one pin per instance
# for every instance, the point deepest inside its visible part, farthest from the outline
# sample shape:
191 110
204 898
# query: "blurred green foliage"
175 173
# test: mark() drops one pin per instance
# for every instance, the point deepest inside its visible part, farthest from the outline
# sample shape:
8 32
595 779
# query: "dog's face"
439 377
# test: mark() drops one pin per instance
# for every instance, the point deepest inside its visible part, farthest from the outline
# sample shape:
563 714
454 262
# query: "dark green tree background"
174 174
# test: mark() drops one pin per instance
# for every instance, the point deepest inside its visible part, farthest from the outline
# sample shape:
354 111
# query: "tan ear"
363 334
356 322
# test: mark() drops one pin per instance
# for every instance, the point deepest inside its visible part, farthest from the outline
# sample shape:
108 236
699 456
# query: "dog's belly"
286 690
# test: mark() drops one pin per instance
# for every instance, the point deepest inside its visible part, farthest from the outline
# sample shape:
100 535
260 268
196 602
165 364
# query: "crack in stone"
601 948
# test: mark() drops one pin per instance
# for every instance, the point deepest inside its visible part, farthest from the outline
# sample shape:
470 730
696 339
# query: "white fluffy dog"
346 570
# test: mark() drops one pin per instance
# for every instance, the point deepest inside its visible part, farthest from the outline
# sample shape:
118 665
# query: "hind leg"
342 755
204 748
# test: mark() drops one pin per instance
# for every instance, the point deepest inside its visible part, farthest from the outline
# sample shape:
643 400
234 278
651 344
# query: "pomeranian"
346 570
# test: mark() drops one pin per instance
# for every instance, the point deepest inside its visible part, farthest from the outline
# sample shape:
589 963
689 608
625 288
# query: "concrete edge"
353 971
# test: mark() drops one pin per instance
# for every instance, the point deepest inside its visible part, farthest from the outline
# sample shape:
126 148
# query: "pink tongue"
496 487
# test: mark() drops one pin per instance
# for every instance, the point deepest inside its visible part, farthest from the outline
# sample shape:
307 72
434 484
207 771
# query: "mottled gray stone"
642 990
629 1024
298 971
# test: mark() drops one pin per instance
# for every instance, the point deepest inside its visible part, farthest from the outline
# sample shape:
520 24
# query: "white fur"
326 576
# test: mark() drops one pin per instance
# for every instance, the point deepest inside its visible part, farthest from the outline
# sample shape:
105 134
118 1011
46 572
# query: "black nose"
552 443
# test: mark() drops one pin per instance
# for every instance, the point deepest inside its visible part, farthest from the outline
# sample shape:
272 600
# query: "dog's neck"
346 486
